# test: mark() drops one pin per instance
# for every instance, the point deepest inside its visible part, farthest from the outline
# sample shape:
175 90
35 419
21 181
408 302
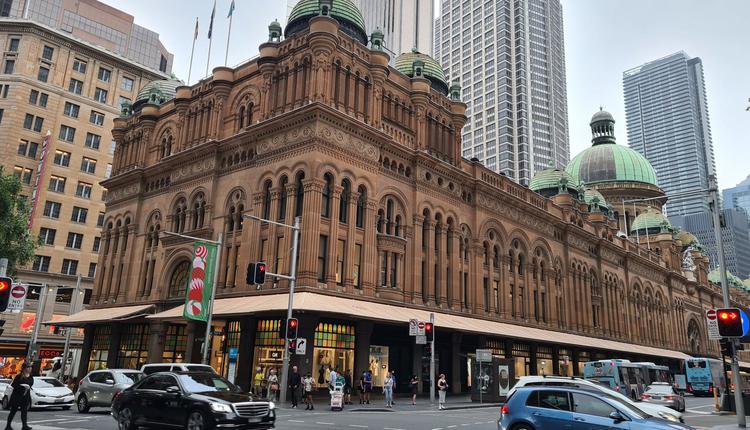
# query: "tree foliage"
17 244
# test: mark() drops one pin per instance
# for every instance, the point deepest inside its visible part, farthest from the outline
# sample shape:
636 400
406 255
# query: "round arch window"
178 279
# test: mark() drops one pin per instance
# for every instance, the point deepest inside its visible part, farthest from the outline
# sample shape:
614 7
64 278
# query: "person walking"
294 382
348 387
393 376
273 385
442 385
367 385
21 397
308 383
258 381
332 378
388 390
362 389
414 387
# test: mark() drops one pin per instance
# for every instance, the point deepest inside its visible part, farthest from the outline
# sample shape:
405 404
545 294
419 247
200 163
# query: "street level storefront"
346 335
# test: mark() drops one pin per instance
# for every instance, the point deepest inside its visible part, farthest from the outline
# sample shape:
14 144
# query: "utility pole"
432 360
33 352
714 202
69 330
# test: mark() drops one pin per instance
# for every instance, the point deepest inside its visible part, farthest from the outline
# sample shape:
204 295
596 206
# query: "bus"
704 375
656 373
621 375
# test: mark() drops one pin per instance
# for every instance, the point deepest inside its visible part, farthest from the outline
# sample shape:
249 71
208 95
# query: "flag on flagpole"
195 36
211 24
231 9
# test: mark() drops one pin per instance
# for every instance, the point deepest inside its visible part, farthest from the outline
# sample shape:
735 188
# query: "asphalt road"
403 417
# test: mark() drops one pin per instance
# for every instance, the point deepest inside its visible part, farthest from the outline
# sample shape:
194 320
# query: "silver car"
662 393
99 387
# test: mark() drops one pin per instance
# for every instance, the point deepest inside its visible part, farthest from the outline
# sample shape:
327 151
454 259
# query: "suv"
584 384
148 369
99 387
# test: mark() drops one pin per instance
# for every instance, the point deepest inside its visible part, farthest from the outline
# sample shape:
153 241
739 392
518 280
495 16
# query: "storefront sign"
48 353
200 282
301 346
413 326
484 355
276 355
17 298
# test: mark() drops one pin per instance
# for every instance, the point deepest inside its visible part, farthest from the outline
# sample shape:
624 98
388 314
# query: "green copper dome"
158 92
552 179
746 283
606 161
714 277
687 238
588 197
344 11
650 222
430 69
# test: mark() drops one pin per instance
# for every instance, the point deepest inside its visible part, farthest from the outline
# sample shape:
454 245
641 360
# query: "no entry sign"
713 324
17 298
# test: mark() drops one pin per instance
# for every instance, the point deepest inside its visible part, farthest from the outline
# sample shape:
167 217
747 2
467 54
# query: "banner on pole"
201 282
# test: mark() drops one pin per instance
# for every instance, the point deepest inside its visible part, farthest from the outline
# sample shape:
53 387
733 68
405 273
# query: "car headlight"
271 405
669 417
220 407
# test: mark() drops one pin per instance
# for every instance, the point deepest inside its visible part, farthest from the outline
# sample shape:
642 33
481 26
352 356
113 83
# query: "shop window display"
175 344
378 364
133 346
544 361
11 366
231 339
583 358
100 348
522 360
269 348
565 363
334 349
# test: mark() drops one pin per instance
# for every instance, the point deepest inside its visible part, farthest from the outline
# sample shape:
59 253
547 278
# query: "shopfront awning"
104 314
313 302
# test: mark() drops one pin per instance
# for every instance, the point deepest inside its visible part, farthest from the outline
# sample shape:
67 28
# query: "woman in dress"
442 385
413 386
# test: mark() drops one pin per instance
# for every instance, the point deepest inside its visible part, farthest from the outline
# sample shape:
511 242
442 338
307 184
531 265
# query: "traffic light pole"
432 361
292 283
714 200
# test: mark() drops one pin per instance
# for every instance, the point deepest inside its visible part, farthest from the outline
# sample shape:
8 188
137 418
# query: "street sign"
713 324
421 339
484 355
420 328
301 346
413 326
17 298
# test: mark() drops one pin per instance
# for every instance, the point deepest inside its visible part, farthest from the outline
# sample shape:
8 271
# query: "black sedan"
192 401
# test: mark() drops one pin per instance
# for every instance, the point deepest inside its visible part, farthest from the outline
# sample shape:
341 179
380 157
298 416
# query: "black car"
190 400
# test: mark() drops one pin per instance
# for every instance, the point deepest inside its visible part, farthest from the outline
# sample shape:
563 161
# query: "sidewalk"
401 404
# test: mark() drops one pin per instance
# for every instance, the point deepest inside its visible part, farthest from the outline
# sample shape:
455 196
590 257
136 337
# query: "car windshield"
132 377
202 383
659 389
47 383
628 407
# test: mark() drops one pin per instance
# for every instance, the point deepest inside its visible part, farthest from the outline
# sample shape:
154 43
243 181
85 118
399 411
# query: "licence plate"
59 400
656 397
254 420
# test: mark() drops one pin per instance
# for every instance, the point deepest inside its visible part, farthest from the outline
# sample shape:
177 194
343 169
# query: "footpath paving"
401 404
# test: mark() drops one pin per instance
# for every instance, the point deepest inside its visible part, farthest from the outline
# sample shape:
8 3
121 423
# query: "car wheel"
83 404
523 427
6 404
196 421
125 420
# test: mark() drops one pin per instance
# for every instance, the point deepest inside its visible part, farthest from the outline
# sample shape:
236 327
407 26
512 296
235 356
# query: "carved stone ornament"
516 215
687 260
191 170
128 190
325 133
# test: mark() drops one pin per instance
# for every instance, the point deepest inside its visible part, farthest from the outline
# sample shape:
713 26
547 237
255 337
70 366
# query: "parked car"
99 387
190 400
4 383
45 393
662 393
148 369
653 409
542 408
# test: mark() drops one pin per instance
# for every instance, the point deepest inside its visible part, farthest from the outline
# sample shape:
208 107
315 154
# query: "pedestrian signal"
730 322
5 287
256 273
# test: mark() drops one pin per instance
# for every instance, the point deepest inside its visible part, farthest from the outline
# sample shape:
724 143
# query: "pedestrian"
258 381
308 383
73 384
368 386
273 385
348 387
393 376
21 396
414 387
294 382
442 385
388 390
332 378
362 389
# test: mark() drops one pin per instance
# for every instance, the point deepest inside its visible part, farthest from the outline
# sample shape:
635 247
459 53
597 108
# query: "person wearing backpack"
21 396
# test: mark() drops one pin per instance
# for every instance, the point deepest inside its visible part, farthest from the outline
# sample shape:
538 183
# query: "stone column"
491 278
476 278
370 249
88 343
333 236
417 251
416 368
351 235
441 265
114 346
362 346
409 265
310 233
455 376
430 256
455 265
127 258
193 346
156 337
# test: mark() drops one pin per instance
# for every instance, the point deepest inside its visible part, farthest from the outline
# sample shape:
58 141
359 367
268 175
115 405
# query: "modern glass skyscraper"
738 196
667 121
509 56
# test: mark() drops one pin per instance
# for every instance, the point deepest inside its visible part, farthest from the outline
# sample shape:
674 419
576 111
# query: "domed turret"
554 181
344 11
714 277
606 161
595 200
687 239
416 64
157 92
650 222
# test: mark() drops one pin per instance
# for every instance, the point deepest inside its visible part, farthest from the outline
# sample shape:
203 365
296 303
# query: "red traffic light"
730 322
5 287
5 284
427 327
291 328
292 323
428 332
727 315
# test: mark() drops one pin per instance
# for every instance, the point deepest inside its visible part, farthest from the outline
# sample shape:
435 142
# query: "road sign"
484 355
420 328
301 346
421 339
17 298
713 324
413 326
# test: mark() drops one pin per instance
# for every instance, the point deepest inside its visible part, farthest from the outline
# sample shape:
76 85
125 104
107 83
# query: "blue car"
558 408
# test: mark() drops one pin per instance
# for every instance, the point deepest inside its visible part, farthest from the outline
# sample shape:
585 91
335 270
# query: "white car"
45 393
148 369
562 381
4 383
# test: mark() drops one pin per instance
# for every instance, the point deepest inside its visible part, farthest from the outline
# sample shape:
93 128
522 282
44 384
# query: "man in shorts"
367 383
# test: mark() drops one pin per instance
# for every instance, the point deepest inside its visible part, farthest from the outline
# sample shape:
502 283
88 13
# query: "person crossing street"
21 397
295 380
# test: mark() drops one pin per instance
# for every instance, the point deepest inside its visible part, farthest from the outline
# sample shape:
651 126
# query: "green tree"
17 244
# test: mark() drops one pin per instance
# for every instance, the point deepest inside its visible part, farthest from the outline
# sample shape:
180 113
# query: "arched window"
180 213
125 233
389 216
344 202
178 279
397 226
361 206
496 257
267 200
198 211
381 221
327 189
282 198
242 117
250 114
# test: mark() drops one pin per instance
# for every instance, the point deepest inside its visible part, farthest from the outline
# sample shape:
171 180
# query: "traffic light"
291 328
293 346
256 273
726 347
5 286
730 322
429 332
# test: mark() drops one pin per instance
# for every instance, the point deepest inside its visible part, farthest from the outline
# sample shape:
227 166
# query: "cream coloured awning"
103 314
313 302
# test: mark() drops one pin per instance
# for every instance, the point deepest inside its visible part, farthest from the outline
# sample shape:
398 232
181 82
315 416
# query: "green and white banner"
201 282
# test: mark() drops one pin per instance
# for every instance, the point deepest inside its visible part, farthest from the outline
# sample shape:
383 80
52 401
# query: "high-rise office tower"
738 196
509 56
667 120
406 24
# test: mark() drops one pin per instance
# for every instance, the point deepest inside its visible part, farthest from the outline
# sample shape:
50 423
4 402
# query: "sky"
603 38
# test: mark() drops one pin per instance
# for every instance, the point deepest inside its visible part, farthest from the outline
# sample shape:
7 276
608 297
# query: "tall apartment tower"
59 94
509 56
738 196
667 121
406 24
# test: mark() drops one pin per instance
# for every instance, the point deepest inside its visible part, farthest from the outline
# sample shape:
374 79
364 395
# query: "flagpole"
192 52
229 35
208 61
210 38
